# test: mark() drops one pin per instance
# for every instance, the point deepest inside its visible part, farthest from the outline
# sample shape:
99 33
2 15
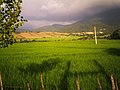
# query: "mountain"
58 25
106 21
23 30
27 26
86 26
50 28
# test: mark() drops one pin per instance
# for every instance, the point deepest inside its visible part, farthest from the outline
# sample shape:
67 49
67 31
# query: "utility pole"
94 27
1 86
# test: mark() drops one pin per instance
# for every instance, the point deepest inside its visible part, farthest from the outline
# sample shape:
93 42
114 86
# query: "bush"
115 34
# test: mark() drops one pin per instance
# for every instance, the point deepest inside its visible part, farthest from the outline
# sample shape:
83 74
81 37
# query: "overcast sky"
47 12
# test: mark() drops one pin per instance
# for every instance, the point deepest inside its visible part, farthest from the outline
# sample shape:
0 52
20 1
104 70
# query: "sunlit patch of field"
41 35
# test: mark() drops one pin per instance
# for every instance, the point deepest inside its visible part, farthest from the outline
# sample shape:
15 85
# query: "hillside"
106 21
50 28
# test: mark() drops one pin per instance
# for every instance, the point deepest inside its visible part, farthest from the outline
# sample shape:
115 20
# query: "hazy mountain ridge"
106 21
58 25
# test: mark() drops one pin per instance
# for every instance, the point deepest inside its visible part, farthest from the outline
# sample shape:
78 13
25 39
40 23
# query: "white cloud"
44 7
52 5
37 24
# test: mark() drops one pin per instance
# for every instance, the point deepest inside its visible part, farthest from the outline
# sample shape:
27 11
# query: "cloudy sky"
47 12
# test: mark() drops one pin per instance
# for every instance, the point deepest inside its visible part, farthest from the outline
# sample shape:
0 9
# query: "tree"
115 34
10 20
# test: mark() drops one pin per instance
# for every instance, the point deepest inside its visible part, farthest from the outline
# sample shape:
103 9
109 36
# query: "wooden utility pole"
1 86
95 34
113 82
28 86
77 83
99 84
41 78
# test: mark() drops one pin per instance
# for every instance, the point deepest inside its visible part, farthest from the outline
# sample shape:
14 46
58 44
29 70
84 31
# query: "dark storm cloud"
68 11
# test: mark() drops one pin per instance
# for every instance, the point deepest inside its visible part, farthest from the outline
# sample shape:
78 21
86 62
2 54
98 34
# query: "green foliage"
10 20
60 63
115 34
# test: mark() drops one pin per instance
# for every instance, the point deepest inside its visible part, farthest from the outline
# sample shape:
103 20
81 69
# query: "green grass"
60 63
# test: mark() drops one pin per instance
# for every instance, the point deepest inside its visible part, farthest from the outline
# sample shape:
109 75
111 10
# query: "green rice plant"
60 63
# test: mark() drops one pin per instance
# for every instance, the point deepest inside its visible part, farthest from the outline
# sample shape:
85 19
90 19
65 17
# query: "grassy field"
60 62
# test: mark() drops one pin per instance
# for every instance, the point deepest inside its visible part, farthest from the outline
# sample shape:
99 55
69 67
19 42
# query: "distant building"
82 33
